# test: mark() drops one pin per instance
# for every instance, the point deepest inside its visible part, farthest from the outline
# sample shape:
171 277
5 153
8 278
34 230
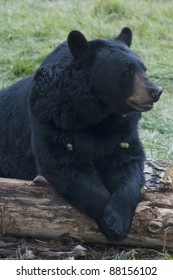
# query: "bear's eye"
129 71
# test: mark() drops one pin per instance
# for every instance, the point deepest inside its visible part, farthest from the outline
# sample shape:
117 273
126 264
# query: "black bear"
75 122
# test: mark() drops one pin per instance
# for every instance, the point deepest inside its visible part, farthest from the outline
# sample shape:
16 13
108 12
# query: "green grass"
31 29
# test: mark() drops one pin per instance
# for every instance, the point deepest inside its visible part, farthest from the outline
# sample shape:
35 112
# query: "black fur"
67 123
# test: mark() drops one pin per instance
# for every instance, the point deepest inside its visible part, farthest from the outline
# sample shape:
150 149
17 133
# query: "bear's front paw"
118 220
110 234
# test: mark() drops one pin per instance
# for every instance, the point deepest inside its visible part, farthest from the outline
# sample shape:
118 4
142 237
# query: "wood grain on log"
34 209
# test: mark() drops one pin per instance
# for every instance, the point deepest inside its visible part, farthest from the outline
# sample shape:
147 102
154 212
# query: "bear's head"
116 75
83 82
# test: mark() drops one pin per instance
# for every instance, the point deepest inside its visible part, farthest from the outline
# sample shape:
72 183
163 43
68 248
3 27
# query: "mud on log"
34 209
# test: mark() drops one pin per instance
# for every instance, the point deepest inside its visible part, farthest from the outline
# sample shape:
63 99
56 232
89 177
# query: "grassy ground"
31 29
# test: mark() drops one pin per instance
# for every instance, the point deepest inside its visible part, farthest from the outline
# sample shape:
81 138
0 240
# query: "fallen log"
34 209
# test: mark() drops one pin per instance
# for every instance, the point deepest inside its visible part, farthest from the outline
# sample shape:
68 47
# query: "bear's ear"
125 36
78 44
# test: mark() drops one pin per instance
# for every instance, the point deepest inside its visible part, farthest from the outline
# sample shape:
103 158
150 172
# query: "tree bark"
34 209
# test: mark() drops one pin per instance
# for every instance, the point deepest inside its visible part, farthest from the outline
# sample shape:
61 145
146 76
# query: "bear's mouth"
138 106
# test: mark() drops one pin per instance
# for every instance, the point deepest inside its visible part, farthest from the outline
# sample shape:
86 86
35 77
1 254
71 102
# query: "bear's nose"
157 91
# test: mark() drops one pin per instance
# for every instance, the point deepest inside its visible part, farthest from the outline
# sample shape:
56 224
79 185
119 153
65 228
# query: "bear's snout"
156 92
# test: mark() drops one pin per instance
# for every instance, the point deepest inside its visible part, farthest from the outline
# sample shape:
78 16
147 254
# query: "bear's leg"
1 173
125 186
84 191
